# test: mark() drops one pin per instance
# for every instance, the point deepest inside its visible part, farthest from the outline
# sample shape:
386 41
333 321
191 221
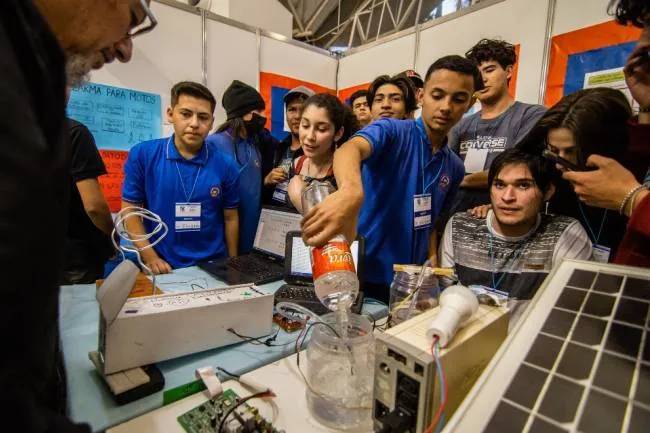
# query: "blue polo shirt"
153 175
401 166
249 165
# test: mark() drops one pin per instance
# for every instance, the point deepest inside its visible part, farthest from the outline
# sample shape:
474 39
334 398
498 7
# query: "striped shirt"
515 265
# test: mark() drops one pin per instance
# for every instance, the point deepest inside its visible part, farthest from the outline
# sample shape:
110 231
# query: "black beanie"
240 98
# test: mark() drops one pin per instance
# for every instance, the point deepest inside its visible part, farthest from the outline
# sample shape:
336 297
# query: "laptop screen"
301 263
272 230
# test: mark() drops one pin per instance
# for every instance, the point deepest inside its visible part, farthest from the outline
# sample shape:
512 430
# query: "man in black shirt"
88 243
36 39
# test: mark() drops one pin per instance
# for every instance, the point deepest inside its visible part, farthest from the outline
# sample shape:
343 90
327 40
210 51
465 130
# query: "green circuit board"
207 417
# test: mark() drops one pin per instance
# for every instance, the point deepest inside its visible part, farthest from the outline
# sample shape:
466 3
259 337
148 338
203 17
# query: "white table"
290 413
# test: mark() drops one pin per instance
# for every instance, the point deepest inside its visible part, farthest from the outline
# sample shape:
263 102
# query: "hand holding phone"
561 161
637 73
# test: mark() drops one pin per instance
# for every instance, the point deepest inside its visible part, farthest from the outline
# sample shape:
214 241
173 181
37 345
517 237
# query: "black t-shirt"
33 204
85 243
268 147
284 151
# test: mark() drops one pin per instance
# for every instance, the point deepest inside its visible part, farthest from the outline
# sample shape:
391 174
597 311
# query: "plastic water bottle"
335 280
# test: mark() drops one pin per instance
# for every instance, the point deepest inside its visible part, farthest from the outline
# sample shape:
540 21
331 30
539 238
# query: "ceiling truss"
342 24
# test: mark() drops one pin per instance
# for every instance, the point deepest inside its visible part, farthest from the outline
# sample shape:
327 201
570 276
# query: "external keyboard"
306 296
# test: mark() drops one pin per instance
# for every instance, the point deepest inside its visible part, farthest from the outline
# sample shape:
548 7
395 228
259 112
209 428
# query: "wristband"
627 198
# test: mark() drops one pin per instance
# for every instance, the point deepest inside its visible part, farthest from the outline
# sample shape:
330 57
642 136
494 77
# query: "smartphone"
639 60
563 162
644 58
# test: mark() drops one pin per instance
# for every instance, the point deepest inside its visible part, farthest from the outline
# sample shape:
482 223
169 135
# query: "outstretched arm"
338 213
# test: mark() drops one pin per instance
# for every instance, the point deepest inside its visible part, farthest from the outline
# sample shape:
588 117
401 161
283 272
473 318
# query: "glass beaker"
340 373
404 283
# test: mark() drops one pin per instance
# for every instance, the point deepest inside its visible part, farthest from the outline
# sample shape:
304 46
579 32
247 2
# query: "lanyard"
516 254
235 149
248 157
180 177
196 178
422 165
586 220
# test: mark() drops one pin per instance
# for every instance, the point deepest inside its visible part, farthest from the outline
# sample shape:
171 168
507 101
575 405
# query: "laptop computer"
297 274
265 263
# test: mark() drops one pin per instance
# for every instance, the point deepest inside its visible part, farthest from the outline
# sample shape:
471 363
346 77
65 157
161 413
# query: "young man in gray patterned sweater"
512 250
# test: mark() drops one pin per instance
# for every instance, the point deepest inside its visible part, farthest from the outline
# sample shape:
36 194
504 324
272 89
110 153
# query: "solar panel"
578 361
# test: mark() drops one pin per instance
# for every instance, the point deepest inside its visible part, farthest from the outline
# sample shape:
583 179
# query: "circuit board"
207 417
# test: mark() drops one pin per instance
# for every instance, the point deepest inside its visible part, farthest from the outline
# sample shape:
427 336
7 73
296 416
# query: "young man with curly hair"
500 124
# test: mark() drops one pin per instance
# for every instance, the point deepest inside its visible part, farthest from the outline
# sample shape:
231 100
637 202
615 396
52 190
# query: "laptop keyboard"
263 272
250 265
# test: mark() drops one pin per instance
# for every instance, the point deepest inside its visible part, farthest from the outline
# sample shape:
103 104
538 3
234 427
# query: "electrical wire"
303 334
257 341
295 312
441 424
194 283
384 326
223 370
120 230
438 418
263 394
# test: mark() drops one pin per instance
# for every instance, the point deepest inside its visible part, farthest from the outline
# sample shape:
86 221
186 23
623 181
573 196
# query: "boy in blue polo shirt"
188 182
407 177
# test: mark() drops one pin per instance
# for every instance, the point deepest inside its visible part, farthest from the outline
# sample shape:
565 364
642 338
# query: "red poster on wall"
111 183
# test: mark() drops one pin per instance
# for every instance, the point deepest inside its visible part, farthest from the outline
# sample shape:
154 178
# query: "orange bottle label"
334 256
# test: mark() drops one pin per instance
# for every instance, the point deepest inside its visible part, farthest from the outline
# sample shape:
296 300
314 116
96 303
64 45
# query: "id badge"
421 211
187 225
489 296
188 210
188 217
280 192
600 253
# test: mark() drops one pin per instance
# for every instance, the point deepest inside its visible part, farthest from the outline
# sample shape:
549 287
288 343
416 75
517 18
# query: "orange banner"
512 86
269 80
344 94
589 38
